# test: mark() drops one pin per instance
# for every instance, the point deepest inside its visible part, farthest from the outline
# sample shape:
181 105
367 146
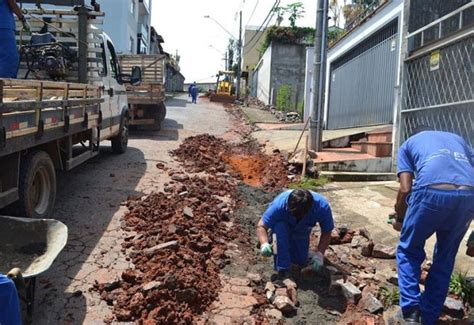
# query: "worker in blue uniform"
440 202
9 302
291 217
9 58
194 93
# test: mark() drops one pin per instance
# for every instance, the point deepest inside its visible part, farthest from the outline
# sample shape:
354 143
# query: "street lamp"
239 47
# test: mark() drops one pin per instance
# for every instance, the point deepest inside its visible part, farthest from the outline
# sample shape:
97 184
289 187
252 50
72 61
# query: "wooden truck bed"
36 112
151 90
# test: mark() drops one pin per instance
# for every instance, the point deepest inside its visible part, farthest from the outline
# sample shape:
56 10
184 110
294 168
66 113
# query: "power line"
266 22
253 12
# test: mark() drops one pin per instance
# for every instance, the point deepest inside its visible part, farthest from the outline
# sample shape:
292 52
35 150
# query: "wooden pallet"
146 93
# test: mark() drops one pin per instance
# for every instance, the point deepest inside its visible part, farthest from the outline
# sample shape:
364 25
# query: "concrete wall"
288 68
263 75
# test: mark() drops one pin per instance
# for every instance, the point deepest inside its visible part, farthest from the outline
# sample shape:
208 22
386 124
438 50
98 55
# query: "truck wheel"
120 142
37 190
161 112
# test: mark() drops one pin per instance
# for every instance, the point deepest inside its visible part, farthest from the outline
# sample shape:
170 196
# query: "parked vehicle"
146 101
47 124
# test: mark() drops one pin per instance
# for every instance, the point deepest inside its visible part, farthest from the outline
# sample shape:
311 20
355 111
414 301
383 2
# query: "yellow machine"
224 88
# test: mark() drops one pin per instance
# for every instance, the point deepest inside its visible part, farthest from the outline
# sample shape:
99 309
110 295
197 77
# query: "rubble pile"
178 250
210 154
287 117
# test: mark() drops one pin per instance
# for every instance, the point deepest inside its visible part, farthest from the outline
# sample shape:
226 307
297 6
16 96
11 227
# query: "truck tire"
37 188
120 142
161 111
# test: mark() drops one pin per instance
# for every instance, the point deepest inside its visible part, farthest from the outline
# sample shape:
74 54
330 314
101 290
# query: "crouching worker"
291 217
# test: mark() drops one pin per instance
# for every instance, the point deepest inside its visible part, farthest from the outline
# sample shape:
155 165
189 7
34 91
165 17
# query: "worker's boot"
413 317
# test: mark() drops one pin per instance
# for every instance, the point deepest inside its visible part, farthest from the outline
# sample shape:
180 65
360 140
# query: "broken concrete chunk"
358 241
270 287
153 250
284 304
382 251
179 177
370 303
289 283
281 292
350 292
188 212
454 308
152 285
273 314
293 295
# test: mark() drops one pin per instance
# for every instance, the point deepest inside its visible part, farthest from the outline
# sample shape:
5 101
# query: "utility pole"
239 58
319 76
226 61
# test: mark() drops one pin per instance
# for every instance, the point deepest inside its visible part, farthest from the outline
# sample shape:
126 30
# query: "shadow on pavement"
169 132
177 102
87 199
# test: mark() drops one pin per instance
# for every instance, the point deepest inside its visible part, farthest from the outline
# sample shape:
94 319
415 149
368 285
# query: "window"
114 63
132 7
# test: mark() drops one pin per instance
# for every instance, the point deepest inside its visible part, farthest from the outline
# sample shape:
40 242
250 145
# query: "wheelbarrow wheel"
37 190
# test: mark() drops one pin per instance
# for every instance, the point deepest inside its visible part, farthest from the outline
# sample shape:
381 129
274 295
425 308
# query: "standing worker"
291 217
194 93
442 202
9 58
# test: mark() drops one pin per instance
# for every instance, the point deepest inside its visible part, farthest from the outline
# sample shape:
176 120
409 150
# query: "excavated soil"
179 238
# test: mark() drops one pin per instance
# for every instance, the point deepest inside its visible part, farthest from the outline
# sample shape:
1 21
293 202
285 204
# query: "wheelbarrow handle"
16 276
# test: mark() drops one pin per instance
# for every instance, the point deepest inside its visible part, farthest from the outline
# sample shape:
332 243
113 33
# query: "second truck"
146 101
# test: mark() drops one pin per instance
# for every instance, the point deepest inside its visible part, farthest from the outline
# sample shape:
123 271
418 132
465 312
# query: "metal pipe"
239 58
315 128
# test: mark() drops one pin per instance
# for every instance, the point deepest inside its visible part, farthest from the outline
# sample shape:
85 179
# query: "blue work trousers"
9 58
448 213
292 247
194 99
9 302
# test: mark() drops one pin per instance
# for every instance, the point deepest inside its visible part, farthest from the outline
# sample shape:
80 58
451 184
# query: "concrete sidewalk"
368 204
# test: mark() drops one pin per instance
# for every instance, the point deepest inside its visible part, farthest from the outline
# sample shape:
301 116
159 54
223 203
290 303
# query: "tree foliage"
287 35
293 10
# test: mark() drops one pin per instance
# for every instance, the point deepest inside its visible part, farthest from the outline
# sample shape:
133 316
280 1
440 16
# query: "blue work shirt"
9 303
320 213
436 157
7 21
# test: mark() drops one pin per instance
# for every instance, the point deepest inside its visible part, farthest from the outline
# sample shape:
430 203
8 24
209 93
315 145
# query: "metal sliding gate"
439 82
362 82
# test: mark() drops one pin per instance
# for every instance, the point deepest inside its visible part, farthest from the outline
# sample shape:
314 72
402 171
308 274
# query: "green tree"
295 10
280 12
230 53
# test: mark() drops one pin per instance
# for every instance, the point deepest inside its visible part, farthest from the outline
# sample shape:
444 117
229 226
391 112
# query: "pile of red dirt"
177 252
210 154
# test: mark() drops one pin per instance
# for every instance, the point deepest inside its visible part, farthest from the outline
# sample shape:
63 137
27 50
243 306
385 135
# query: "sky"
184 29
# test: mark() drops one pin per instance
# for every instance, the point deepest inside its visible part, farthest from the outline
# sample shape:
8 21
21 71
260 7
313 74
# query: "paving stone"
284 304
370 303
239 281
383 251
350 292
453 307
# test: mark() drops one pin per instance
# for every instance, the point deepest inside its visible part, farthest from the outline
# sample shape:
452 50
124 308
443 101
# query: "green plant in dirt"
461 287
296 11
308 183
283 100
389 296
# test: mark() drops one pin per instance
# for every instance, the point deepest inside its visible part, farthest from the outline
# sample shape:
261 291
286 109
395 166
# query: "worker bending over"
291 217
442 202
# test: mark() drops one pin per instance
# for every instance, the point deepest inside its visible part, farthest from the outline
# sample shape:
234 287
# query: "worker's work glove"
317 262
395 221
266 250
